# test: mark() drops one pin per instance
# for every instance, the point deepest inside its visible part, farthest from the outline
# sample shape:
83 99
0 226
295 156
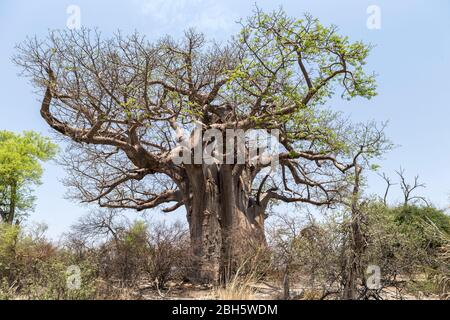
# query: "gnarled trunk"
354 265
222 218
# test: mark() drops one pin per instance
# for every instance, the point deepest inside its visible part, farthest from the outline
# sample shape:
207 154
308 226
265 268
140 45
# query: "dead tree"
389 184
408 189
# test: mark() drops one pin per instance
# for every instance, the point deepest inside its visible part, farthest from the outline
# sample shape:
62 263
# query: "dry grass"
241 284
236 289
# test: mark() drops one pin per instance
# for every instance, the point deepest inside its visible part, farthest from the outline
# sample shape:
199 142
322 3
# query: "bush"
409 244
31 267
9 235
393 246
169 253
405 242
132 253
307 253
126 257
414 221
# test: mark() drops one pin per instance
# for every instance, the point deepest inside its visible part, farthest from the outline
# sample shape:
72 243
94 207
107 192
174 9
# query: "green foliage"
297 65
423 223
410 242
417 217
277 41
397 250
407 241
136 234
8 239
20 155
20 169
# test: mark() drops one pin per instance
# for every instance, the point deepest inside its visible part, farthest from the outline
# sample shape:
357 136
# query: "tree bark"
286 285
222 219
12 203
357 246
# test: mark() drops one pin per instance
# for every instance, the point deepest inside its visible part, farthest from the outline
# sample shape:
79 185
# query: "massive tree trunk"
223 219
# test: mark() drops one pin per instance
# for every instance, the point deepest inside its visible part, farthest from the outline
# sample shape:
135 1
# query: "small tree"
369 143
20 170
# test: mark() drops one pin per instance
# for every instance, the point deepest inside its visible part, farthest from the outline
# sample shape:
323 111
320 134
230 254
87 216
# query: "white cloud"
205 15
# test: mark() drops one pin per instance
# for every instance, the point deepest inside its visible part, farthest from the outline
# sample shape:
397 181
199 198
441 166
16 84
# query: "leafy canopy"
20 166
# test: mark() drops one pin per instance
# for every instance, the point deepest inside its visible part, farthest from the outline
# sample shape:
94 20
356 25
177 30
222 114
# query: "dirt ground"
260 291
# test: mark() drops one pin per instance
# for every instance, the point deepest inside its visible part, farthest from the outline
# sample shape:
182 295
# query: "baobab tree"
127 104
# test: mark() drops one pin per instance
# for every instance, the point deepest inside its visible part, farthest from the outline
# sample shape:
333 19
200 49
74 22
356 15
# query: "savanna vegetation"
296 222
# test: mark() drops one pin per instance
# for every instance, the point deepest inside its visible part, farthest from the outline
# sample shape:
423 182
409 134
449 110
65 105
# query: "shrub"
31 267
169 253
414 220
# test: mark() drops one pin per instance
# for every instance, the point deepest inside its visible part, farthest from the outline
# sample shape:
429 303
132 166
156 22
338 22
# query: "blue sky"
411 56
